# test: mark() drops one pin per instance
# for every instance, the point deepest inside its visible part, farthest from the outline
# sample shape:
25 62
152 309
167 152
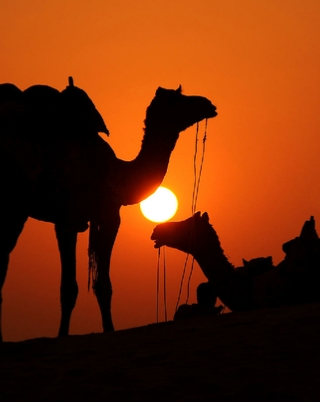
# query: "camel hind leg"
11 229
108 229
69 288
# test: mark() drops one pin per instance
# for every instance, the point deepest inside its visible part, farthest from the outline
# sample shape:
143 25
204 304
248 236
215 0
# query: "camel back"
42 113
45 133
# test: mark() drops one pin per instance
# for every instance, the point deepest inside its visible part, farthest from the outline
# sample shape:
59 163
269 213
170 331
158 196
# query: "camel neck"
157 137
214 264
230 287
144 174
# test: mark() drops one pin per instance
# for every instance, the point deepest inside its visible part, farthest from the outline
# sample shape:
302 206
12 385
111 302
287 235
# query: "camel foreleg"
106 236
68 287
103 292
4 262
10 232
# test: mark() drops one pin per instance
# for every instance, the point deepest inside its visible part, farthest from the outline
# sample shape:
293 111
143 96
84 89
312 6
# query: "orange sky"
257 61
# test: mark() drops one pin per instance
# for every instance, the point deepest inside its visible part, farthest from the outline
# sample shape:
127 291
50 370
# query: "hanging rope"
164 286
158 280
196 186
189 281
195 192
181 282
193 206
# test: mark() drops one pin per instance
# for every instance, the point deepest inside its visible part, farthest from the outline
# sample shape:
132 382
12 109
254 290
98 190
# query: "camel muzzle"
203 108
157 241
212 111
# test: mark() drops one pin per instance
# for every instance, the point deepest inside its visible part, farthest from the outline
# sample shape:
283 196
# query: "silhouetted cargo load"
42 113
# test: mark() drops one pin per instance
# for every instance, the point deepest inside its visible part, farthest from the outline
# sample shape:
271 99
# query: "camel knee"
206 295
68 295
103 289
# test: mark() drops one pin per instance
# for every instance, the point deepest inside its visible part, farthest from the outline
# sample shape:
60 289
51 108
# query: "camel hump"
43 108
9 93
29 109
41 98
43 113
11 109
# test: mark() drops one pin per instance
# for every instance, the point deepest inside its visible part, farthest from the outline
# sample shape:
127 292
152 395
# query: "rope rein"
196 186
196 190
193 204
195 193
164 285
158 280
181 282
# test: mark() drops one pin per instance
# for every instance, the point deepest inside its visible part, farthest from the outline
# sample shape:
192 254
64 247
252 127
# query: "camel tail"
93 256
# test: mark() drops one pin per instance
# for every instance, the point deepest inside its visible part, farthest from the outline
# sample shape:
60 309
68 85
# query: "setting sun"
160 206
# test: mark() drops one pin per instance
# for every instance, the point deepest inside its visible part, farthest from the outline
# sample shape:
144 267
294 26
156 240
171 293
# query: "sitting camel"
56 168
258 284
205 306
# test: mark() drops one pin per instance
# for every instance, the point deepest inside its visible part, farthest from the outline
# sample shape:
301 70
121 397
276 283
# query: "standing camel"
258 284
74 177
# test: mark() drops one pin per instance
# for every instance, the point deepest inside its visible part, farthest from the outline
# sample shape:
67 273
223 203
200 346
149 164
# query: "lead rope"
158 277
195 192
196 187
164 285
193 203
181 282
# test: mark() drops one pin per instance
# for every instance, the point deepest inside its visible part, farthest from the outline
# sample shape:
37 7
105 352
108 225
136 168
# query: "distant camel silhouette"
55 168
205 306
258 284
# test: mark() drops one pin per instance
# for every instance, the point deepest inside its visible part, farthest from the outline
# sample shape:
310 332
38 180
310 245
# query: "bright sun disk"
160 206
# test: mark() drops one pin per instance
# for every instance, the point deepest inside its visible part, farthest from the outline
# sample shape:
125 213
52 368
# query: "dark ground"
266 355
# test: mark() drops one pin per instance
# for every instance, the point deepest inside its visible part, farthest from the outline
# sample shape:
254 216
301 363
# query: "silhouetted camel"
205 306
259 283
74 177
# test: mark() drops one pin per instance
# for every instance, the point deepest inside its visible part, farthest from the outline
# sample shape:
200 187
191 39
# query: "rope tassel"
93 254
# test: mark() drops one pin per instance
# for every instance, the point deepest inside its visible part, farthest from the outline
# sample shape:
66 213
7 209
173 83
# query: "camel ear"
205 217
179 90
245 262
309 229
160 91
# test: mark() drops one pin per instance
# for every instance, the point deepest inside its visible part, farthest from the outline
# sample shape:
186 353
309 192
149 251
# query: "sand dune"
266 355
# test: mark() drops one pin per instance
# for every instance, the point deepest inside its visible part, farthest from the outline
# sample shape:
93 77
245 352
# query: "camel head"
308 233
185 236
308 237
173 111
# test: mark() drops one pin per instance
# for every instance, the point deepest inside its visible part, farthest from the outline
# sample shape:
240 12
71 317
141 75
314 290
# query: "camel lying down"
258 283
